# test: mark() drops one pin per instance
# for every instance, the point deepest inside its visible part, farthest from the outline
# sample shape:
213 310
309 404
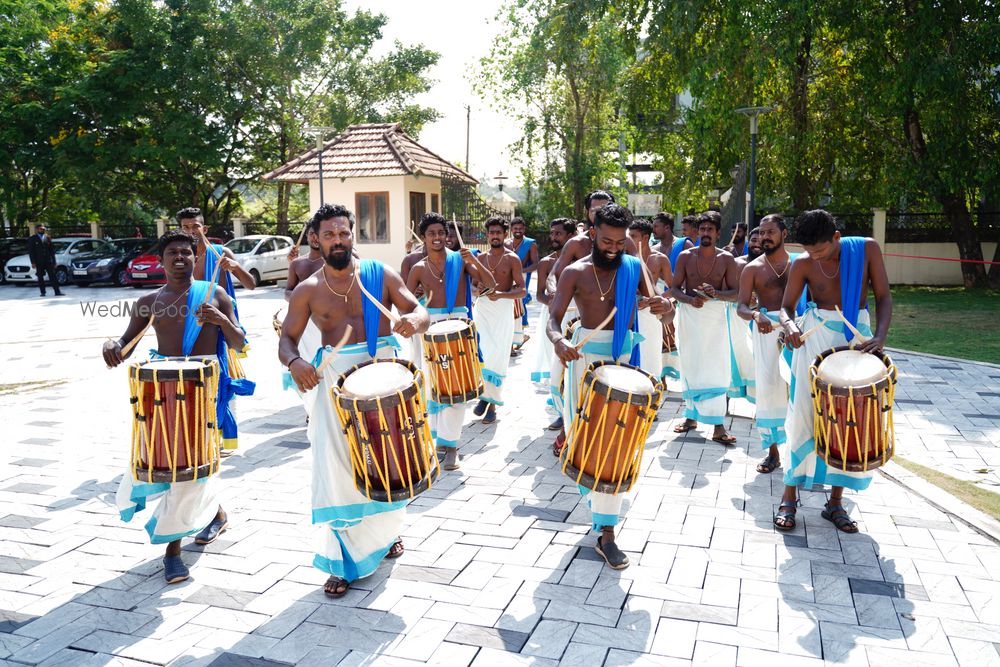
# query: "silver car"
19 271
263 256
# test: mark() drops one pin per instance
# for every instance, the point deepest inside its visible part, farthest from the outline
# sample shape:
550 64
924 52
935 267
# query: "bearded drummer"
188 322
358 532
838 272
447 276
762 286
607 279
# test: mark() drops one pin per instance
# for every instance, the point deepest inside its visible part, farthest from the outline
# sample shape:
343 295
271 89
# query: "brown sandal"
396 550
839 517
335 587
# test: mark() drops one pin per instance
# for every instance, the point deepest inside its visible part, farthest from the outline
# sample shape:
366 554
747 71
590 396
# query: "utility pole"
753 112
319 131
468 120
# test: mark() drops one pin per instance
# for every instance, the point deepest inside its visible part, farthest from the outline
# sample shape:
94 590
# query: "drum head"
851 368
173 367
447 327
374 380
624 379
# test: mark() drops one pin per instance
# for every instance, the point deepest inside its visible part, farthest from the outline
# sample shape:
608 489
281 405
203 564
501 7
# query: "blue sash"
228 387
210 261
852 269
522 254
625 300
452 272
372 273
675 250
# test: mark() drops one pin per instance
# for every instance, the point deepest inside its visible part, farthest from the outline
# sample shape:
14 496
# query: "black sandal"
839 517
769 464
784 515
334 584
396 550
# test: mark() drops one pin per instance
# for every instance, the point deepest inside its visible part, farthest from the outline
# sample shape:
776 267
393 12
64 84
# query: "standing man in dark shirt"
43 259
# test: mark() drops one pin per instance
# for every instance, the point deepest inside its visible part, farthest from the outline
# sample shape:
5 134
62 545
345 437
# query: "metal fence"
935 228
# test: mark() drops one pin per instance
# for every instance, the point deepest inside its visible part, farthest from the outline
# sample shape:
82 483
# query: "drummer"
607 279
446 275
560 231
581 246
300 268
188 322
839 272
494 316
658 269
359 532
705 280
742 383
762 284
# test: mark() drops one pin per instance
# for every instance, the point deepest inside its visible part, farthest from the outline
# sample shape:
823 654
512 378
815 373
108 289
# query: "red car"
147 270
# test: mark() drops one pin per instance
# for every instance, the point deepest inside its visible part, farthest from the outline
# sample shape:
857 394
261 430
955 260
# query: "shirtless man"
689 229
762 286
742 384
560 231
753 249
300 268
182 305
667 244
581 246
494 316
839 272
658 270
706 278
591 283
192 222
331 299
738 246
434 274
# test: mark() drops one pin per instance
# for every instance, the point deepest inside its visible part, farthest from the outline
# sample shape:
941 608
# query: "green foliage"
108 105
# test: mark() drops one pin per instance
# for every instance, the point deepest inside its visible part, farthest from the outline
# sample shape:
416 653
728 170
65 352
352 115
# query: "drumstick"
860 336
461 243
276 323
131 343
649 281
419 240
301 234
330 354
385 311
812 331
600 326
212 247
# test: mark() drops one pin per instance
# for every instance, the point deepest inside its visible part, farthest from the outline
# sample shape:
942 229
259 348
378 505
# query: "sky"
462 32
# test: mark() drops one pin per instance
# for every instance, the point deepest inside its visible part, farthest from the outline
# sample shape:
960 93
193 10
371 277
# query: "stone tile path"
500 567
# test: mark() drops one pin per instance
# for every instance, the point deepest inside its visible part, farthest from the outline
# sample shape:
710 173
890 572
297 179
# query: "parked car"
147 270
10 248
264 257
18 269
109 263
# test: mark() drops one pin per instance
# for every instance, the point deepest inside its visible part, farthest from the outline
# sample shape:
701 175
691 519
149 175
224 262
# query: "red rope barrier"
942 259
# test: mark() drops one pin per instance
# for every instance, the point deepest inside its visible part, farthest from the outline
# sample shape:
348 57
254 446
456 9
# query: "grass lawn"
984 500
950 321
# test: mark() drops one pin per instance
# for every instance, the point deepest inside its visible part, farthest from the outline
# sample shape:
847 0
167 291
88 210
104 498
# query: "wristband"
289 364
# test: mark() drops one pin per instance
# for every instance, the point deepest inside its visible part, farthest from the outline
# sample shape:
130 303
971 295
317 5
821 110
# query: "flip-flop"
558 445
612 555
338 582
725 440
684 427
769 464
174 569
491 415
396 550
210 532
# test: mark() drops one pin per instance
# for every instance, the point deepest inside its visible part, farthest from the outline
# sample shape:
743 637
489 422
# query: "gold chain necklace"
603 292
489 266
783 271
820 265
173 303
430 267
354 276
697 267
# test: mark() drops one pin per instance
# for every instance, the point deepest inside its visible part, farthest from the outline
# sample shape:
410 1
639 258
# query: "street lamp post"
753 112
319 131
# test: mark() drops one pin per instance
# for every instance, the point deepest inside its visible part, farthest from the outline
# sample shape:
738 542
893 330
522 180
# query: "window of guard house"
372 211
435 204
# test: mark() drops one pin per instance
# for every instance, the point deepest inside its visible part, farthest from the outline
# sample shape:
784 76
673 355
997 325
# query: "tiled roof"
381 149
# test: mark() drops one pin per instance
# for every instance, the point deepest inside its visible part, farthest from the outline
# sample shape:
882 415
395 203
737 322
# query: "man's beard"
770 250
602 262
339 258
707 241
753 254
494 243
556 246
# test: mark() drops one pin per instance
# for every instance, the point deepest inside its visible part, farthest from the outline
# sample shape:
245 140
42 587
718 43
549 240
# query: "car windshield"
60 246
133 245
242 246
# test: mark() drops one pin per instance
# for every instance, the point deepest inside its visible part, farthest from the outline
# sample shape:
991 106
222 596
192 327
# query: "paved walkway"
500 568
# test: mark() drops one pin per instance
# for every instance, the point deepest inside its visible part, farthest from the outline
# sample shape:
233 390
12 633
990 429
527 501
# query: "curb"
942 500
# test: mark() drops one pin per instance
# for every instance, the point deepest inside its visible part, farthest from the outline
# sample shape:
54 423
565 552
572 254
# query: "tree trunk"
284 194
802 198
993 277
953 204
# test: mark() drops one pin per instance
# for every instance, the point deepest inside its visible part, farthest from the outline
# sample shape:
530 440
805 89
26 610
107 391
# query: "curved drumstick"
385 311
600 326
857 334
330 354
131 343
212 247
461 243
810 332
276 323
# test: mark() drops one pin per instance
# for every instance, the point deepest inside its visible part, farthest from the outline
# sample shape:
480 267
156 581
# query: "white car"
264 257
19 271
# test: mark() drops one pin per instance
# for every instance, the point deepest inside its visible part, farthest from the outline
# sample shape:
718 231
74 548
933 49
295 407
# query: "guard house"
384 176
